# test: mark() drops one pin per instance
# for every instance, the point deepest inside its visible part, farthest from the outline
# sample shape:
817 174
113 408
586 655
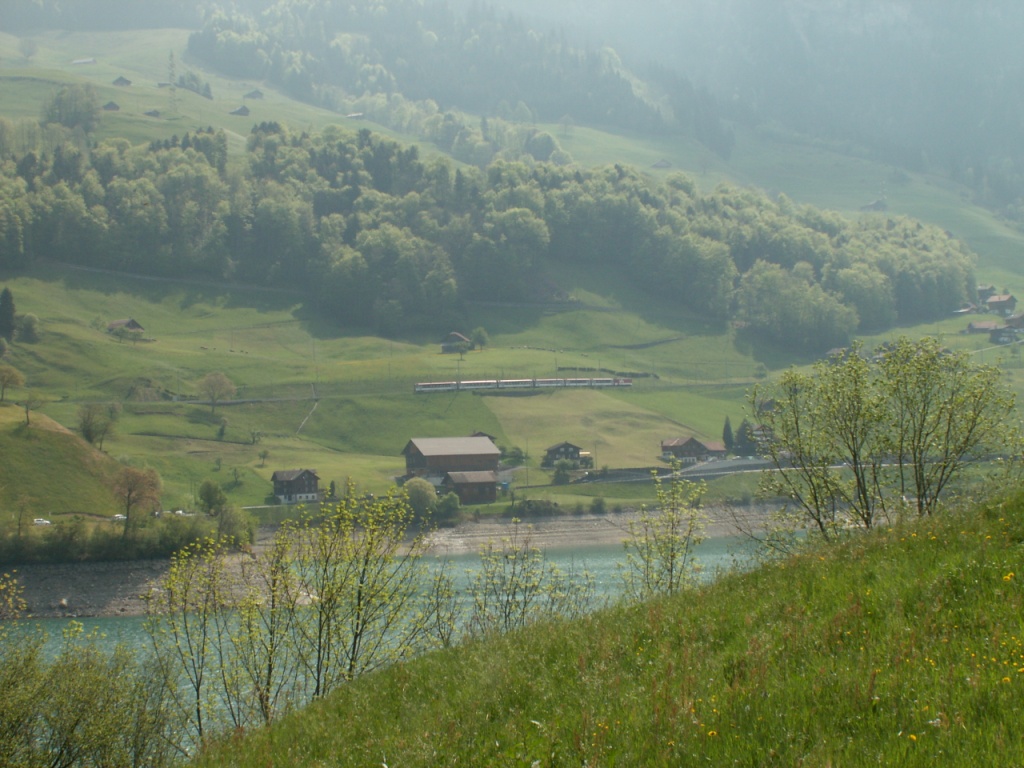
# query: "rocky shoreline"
78 590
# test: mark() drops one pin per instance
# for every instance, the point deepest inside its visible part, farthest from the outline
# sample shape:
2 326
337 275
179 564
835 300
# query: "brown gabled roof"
129 322
679 442
556 446
453 446
284 475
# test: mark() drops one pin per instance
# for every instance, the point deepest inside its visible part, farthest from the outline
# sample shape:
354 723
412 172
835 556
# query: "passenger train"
459 386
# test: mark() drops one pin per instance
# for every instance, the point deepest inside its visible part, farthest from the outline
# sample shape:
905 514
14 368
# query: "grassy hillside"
48 471
902 647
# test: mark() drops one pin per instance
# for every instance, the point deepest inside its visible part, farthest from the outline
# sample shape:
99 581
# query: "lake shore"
80 590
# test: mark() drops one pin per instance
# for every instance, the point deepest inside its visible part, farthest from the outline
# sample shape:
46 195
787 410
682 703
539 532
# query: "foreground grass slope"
904 646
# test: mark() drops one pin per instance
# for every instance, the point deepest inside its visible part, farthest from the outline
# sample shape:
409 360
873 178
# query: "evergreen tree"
743 441
7 314
727 437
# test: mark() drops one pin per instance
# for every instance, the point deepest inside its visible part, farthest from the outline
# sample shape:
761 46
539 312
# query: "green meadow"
344 404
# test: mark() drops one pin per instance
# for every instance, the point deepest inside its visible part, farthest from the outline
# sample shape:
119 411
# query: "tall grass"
903 646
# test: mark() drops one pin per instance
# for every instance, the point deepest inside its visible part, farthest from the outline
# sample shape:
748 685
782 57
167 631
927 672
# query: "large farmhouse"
439 455
466 466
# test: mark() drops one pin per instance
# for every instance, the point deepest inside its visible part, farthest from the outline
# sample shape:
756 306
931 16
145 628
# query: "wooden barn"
472 487
440 455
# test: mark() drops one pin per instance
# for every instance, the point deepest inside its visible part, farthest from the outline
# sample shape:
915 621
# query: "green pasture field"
343 405
143 56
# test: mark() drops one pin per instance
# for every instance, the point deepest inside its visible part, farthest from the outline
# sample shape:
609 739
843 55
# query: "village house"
242 111
984 326
568 452
296 485
1001 303
1016 321
122 82
1003 335
690 450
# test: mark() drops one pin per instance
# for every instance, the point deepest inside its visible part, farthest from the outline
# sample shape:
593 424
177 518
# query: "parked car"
40 521
119 517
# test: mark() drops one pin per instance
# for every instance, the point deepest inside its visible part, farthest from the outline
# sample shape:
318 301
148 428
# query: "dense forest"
379 236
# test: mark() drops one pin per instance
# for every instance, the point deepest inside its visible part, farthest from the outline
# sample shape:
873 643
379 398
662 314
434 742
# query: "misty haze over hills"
925 74
922 84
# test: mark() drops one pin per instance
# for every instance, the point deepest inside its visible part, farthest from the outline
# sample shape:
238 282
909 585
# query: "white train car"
480 384
436 386
453 386
515 383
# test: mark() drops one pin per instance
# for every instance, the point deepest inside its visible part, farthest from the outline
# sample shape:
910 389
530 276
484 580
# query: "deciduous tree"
516 586
74 106
946 412
10 377
212 499
660 547
216 387
860 437
95 422
136 490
